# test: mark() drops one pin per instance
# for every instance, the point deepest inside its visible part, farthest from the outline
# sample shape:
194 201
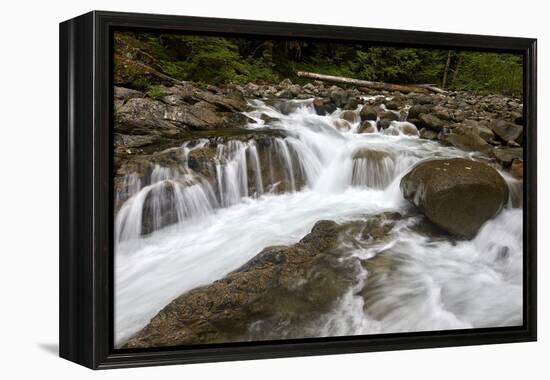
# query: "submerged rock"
457 195
367 127
350 116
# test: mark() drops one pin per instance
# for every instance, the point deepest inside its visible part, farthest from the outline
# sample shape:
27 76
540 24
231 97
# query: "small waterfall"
256 168
314 154
232 173
163 203
373 169
515 190
282 150
131 185
309 163
169 195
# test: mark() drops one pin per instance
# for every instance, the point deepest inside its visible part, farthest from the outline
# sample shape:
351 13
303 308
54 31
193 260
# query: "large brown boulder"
456 194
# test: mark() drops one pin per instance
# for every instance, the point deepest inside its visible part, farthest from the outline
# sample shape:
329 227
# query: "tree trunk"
405 88
445 73
455 73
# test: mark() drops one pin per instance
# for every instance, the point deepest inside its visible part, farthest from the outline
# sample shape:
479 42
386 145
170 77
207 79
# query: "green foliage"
140 83
388 64
156 92
491 73
216 60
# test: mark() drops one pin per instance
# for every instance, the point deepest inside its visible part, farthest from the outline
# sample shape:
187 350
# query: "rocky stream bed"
264 212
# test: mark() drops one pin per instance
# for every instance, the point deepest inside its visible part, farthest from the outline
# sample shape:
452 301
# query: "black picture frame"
86 222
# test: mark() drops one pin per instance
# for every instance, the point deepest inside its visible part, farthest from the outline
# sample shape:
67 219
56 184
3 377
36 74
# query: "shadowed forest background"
217 60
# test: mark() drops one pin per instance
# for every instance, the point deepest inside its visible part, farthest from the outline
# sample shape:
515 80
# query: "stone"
458 195
367 127
369 112
430 121
323 106
505 155
506 130
350 116
516 169
417 109
428 134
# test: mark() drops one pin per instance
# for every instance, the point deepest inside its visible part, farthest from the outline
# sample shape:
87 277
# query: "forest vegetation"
219 60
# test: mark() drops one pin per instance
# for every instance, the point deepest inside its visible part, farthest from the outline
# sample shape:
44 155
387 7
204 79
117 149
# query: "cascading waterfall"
177 230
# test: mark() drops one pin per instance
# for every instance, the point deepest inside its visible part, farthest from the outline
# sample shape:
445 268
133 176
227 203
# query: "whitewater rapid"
438 284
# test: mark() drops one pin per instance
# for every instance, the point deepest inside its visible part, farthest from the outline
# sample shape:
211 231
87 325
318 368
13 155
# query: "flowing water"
199 231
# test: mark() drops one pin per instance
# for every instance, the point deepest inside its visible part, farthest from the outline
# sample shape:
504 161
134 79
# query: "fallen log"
405 88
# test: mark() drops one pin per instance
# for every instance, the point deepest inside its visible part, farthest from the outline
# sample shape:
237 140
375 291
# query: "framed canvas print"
236 189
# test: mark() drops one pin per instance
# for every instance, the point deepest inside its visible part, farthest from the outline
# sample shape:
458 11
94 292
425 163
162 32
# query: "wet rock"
369 112
516 168
201 161
506 155
309 88
284 106
405 128
391 131
430 121
159 208
423 99
237 120
518 118
351 104
350 116
323 106
482 129
467 137
441 113
505 130
457 195
378 227
285 94
268 119
367 127
396 103
416 110
428 134
389 115
339 97
341 124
